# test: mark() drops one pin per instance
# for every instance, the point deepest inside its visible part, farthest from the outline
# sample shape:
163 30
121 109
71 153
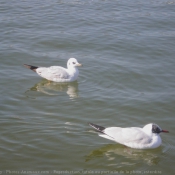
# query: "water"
127 49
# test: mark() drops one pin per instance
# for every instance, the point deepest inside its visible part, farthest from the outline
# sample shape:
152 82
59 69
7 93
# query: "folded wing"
53 72
127 136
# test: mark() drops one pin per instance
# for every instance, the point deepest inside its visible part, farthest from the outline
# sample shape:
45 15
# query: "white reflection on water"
54 88
111 152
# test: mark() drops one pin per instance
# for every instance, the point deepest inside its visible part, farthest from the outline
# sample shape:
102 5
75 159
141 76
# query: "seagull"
58 73
133 137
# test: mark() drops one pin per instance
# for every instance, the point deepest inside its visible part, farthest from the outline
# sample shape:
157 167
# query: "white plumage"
58 73
141 138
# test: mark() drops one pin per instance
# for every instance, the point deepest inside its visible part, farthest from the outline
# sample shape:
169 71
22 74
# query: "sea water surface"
128 79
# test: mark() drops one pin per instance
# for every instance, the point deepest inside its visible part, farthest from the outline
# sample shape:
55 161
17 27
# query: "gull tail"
101 129
97 127
31 67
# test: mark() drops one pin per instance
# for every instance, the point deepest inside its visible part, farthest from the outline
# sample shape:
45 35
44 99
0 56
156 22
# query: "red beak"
165 131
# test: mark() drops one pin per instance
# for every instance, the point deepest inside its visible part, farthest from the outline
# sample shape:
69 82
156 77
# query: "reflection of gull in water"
52 88
111 152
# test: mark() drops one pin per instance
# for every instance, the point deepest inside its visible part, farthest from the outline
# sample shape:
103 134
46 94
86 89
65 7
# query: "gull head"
153 128
72 63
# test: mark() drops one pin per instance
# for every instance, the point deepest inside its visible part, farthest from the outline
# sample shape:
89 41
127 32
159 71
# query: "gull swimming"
140 138
58 73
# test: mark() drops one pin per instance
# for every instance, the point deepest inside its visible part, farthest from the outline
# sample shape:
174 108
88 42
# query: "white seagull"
58 73
134 137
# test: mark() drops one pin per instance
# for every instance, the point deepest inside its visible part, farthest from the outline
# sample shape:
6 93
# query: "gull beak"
78 64
165 131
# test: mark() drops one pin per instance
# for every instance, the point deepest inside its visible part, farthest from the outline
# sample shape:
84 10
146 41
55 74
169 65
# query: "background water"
128 79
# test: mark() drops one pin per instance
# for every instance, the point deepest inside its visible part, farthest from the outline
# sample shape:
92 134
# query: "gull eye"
73 62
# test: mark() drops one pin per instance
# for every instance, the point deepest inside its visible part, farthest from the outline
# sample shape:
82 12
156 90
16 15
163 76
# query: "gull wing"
128 136
53 72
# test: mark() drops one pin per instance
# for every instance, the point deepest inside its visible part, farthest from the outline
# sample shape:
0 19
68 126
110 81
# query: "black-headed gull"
58 73
134 137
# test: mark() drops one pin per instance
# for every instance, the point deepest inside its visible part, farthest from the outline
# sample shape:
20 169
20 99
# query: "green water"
128 79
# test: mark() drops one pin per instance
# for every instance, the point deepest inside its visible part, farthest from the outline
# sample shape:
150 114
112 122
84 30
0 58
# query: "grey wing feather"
53 72
127 135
